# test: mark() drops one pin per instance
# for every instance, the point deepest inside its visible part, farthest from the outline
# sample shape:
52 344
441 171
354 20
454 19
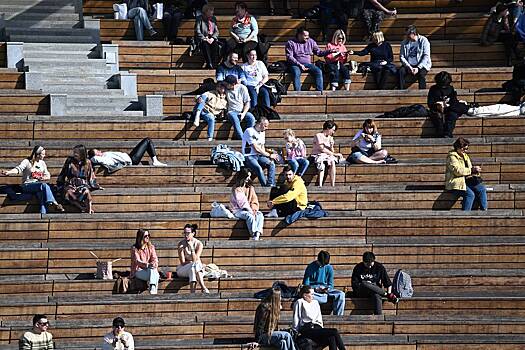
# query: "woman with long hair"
337 59
77 180
308 321
144 260
34 176
190 250
367 148
323 152
266 322
245 204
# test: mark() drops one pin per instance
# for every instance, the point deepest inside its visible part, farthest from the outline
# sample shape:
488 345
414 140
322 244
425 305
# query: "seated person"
144 261
332 12
138 11
366 146
295 153
238 99
118 338
244 204
214 104
373 13
299 52
230 67
114 161
415 59
255 154
255 76
323 152
190 250
38 337
368 280
499 28
336 62
444 105
319 275
173 14
207 36
243 32
290 197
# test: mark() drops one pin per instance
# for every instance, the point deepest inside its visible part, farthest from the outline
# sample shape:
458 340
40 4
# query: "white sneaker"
210 139
272 214
157 163
256 236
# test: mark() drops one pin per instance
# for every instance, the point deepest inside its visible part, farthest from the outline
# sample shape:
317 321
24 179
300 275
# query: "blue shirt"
316 275
223 72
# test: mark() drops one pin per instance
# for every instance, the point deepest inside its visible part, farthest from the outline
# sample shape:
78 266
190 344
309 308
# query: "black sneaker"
390 160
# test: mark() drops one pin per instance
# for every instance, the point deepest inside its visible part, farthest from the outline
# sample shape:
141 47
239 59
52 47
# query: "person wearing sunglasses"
118 338
38 338
144 260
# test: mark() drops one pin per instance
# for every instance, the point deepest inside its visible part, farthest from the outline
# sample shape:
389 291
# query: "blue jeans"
295 71
233 117
339 300
210 119
299 165
41 190
278 339
478 192
337 70
257 163
254 222
151 276
141 20
264 94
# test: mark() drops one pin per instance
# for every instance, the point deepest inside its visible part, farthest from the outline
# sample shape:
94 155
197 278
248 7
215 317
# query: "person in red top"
144 260
337 59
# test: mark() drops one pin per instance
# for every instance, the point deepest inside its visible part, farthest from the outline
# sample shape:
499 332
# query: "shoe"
256 236
157 163
205 290
271 12
58 207
390 160
392 298
272 214
210 139
153 289
152 32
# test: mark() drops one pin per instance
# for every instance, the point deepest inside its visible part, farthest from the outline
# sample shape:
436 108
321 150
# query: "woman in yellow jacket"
464 179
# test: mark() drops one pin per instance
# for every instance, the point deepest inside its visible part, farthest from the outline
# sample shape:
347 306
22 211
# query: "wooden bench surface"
11 79
23 102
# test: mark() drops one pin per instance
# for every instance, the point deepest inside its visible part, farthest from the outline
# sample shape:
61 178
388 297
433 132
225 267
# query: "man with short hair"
290 197
238 105
319 274
38 338
118 338
255 154
368 280
230 67
415 57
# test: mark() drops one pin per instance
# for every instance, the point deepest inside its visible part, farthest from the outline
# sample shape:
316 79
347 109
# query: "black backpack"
278 67
413 111
276 89
263 111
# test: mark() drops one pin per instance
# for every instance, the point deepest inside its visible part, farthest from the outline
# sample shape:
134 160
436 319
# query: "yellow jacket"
297 191
457 170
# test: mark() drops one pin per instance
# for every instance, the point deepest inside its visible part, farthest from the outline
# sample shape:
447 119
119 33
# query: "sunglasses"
43 323
146 236
119 326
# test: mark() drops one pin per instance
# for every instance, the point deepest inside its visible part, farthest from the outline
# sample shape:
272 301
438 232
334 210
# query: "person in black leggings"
114 161
308 321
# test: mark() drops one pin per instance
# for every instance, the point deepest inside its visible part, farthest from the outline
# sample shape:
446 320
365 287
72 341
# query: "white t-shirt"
237 98
306 312
365 145
111 159
110 338
250 137
27 170
254 73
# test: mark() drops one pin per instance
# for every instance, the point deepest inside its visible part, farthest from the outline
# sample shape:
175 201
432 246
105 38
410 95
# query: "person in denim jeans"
238 105
296 153
138 12
299 52
209 106
255 154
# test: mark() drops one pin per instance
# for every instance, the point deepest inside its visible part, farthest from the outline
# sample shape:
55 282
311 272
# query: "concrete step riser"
31 16
50 39
38 47
13 25
49 31
106 114
74 80
39 2
42 10
57 55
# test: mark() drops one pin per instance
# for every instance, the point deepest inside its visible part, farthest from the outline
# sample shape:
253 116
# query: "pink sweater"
295 150
339 57
140 258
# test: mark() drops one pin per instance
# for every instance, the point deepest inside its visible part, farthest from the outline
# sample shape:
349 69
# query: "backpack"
413 111
402 286
278 67
313 13
263 46
263 111
276 89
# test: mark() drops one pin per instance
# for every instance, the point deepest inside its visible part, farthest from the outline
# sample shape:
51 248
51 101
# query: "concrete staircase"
44 21
75 70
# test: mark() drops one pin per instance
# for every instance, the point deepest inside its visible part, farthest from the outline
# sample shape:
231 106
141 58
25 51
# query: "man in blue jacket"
320 275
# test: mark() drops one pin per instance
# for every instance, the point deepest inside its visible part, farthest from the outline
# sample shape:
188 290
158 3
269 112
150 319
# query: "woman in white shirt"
34 176
118 338
308 321
256 75
190 250
367 148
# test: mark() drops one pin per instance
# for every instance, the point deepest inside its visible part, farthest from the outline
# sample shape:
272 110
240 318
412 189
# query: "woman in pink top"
336 61
296 153
323 151
144 260
190 250
245 204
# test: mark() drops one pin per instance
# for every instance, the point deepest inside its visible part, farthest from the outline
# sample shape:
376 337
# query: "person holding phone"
319 275
190 250
118 338
245 204
367 148
144 260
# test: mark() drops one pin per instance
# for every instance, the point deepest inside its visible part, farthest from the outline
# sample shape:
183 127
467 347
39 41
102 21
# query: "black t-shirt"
376 275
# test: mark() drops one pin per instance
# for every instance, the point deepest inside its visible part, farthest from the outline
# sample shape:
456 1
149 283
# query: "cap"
231 79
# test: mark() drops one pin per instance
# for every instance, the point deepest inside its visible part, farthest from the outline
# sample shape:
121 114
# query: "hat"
118 321
231 79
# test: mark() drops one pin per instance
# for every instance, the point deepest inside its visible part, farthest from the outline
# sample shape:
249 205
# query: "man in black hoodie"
369 278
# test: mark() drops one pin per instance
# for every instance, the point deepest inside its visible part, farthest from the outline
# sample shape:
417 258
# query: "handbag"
473 181
104 268
219 210
120 11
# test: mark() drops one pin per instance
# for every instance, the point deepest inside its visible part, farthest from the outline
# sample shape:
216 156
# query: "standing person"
245 204
266 322
324 153
296 153
190 250
238 99
77 179
173 14
464 179
366 146
138 11
34 176
308 321
381 59
243 32
289 198
373 13
255 153
499 28
230 67
336 61
214 103
369 278
118 338
299 52
415 58
319 275
38 338
444 105
255 76
207 36
114 161
144 261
